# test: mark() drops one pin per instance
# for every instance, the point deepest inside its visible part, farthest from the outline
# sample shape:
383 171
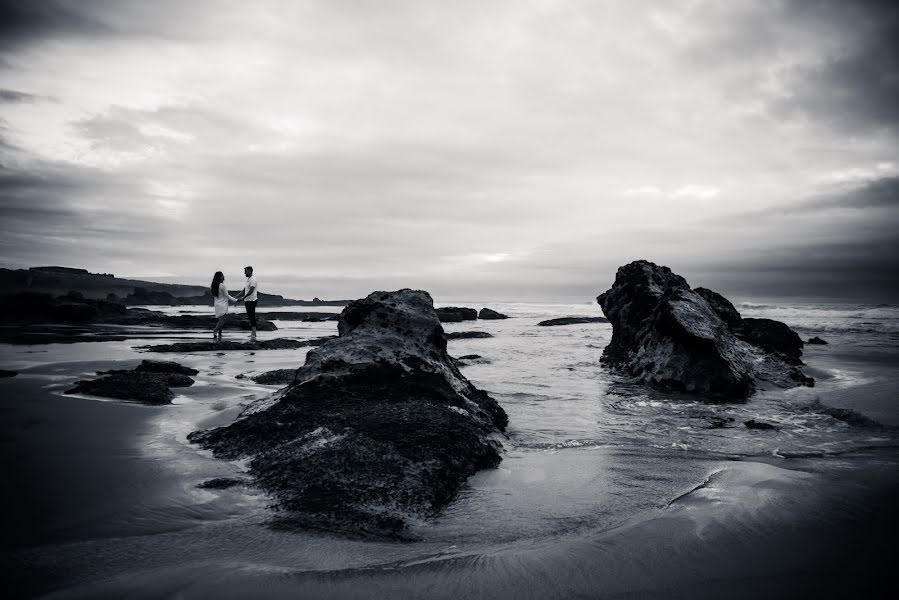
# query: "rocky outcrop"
150 384
571 321
816 341
490 314
380 425
456 314
672 337
210 345
467 335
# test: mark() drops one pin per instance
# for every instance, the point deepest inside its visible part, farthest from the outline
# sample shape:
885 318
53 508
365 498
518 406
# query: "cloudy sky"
480 149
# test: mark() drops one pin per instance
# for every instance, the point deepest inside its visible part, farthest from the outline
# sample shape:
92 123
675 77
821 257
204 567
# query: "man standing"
249 296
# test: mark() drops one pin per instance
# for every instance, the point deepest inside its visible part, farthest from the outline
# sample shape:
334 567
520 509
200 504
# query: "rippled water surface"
587 454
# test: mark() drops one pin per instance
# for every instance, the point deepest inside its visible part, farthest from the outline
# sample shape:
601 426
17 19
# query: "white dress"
221 301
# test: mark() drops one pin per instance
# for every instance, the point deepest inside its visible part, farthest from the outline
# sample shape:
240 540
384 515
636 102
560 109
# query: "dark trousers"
251 312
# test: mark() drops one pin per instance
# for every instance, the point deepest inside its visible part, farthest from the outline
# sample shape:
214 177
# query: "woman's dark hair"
216 282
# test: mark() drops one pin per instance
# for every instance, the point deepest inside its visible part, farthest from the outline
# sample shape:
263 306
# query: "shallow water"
590 462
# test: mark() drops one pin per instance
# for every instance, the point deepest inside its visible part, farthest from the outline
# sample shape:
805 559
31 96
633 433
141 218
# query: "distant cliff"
59 281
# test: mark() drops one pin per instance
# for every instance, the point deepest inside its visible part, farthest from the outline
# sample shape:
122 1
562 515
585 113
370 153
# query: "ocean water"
605 487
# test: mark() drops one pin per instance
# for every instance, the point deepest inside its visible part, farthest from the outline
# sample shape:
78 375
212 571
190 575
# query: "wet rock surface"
147 386
380 426
221 483
276 377
164 366
225 345
571 321
671 337
816 341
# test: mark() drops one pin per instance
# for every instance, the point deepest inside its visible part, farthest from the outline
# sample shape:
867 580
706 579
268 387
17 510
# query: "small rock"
276 377
5 373
456 314
487 313
572 321
465 335
817 341
164 366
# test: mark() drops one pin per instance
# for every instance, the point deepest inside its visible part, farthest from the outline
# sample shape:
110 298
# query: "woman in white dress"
222 301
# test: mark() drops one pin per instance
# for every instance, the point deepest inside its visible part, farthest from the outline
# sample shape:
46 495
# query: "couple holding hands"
223 300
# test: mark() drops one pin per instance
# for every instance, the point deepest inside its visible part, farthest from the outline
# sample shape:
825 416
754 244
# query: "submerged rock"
816 341
456 314
571 321
672 337
490 314
380 425
467 335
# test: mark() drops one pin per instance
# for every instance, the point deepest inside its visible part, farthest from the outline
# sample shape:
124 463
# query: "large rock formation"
378 426
672 337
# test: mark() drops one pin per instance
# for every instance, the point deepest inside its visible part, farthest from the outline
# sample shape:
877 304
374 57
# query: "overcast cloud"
477 149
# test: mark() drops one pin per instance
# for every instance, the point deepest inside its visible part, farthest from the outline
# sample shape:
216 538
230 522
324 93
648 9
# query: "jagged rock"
164 366
466 335
206 346
721 305
379 426
140 386
5 373
490 314
816 341
571 321
671 337
276 377
753 424
456 314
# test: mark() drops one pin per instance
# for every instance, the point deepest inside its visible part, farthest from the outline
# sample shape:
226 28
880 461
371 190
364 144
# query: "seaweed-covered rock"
672 337
490 314
380 425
